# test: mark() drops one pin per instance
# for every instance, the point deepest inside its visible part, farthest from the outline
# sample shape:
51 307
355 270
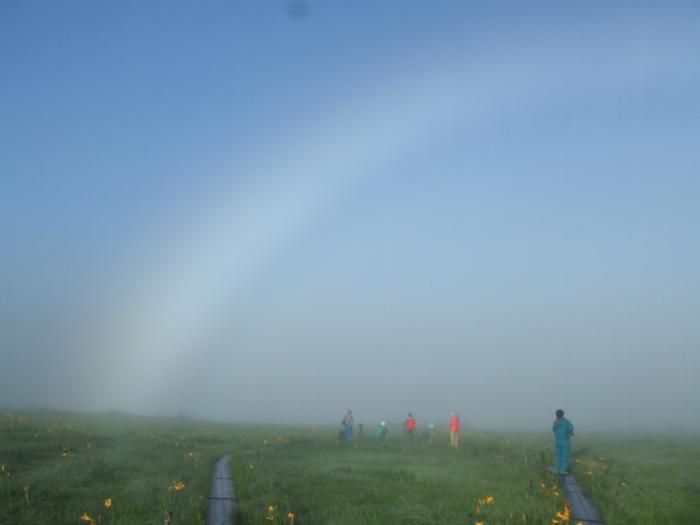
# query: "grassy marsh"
58 468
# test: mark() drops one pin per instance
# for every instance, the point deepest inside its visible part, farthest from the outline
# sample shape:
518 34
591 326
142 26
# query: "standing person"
563 430
454 430
431 433
347 424
410 425
380 431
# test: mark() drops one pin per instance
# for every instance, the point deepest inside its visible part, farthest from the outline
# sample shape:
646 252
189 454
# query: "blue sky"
411 206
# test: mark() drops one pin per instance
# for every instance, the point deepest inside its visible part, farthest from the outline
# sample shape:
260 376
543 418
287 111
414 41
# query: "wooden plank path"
582 510
221 497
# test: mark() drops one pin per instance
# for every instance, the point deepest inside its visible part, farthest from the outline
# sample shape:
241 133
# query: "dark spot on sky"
297 9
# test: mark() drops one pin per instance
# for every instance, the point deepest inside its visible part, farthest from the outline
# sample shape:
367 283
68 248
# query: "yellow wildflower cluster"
591 466
271 510
554 489
488 500
564 516
88 519
178 487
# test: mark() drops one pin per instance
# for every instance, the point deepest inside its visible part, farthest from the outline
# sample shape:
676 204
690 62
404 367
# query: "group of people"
562 428
381 430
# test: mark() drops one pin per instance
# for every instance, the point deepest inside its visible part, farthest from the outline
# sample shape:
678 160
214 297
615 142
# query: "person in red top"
410 425
454 430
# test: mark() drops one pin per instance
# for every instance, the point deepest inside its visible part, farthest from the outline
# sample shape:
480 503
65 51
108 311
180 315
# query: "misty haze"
226 224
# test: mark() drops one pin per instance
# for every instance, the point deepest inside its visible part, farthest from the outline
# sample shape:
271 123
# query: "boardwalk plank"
582 510
221 495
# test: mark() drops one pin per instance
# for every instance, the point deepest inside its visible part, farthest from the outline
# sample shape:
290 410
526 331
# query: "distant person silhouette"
410 425
563 430
347 425
380 431
430 434
454 430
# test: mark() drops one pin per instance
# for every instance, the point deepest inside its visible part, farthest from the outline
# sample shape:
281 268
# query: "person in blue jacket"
347 422
563 430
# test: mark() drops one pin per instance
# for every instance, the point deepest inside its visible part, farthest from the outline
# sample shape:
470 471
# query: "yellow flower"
179 486
87 518
271 509
479 523
489 500
108 503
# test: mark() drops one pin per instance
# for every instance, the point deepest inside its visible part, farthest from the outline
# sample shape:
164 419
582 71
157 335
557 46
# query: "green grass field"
68 468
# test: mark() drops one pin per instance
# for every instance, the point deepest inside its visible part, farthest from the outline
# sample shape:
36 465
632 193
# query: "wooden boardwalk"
222 500
221 497
582 510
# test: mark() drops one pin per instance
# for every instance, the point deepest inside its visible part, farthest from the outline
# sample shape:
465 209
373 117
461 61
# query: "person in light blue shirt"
347 422
563 430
